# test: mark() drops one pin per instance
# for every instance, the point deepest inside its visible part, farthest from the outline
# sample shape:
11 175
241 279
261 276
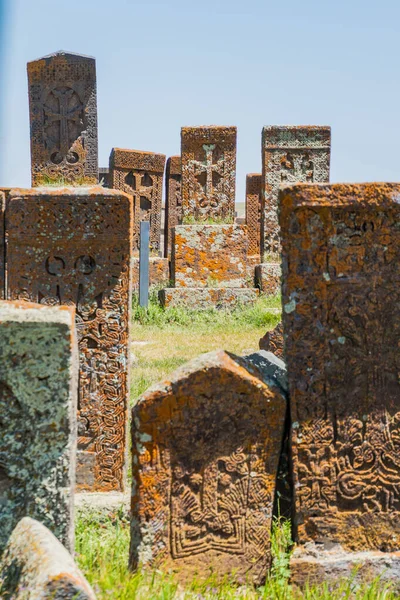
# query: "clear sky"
168 63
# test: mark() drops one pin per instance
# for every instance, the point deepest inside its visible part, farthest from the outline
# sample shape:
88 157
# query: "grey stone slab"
271 367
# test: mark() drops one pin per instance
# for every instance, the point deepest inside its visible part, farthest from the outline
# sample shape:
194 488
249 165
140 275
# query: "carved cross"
64 116
208 167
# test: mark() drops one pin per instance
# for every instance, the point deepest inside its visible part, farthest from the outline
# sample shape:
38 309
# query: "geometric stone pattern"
206 447
208 173
38 384
63 119
268 278
36 565
173 200
140 174
289 155
341 317
253 212
273 341
209 255
202 298
73 247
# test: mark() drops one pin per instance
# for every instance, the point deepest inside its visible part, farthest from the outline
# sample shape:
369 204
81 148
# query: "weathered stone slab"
38 385
158 271
208 173
141 175
209 256
206 447
341 273
4 193
63 119
273 341
173 200
273 368
104 177
73 246
35 565
268 278
253 215
205 298
289 155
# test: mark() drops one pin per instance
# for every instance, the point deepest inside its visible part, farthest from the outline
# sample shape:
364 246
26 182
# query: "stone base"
103 502
268 278
158 271
312 565
203 298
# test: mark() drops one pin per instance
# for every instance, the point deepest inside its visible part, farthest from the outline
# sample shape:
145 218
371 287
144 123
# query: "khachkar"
141 175
38 384
63 119
208 173
173 200
253 216
341 317
206 446
73 247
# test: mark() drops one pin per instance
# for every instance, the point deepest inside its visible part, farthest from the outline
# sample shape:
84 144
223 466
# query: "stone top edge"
254 175
209 132
90 191
209 226
322 194
297 128
174 165
216 127
23 312
62 53
140 152
126 158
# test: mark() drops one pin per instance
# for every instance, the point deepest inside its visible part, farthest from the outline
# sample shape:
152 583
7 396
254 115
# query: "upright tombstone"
4 193
38 389
341 318
173 200
73 247
141 175
206 446
63 119
289 155
208 173
253 215
104 177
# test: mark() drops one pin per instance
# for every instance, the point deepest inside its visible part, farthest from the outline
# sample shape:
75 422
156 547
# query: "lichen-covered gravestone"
173 200
35 565
63 118
206 446
38 385
73 246
341 317
253 215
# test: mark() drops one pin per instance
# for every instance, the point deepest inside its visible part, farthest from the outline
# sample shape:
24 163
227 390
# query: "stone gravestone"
208 173
253 215
36 565
73 246
3 196
206 446
104 177
63 119
273 341
173 200
341 274
38 385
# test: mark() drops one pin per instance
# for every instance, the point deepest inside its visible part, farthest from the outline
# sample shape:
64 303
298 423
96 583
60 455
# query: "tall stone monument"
38 389
206 446
73 247
341 274
253 216
63 119
208 173
173 200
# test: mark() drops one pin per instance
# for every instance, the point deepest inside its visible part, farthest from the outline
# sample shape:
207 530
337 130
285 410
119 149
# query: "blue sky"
165 64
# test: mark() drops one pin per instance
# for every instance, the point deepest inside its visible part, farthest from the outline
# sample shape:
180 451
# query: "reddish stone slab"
158 272
208 173
4 193
273 341
341 274
63 119
253 213
206 447
141 175
268 278
173 200
289 155
202 298
73 246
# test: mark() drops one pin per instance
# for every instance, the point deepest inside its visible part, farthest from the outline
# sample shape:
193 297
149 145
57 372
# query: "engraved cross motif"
64 116
208 168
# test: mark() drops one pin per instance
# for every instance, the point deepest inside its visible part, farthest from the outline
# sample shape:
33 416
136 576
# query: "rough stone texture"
63 118
4 193
268 278
173 200
273 341
103 503
141 175
271 366
341 250
104 177
205 298
289 155
73 246
208 172
253 214
206 447
36 566
209 256
158 271
38 383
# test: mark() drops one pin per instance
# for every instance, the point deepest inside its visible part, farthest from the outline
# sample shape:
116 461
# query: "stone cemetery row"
200 230
207 443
